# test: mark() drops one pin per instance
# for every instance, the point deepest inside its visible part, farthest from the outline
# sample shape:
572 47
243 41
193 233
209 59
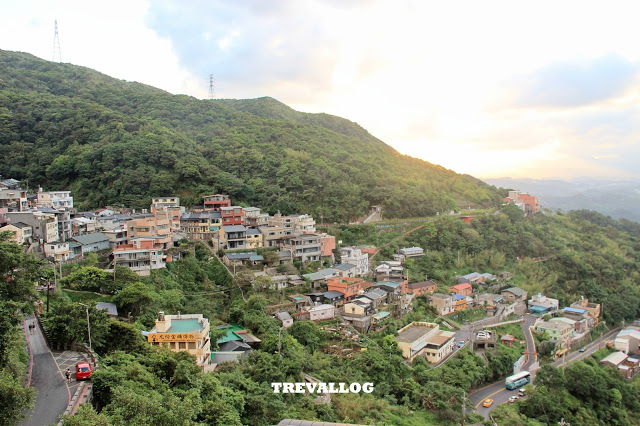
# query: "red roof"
462 286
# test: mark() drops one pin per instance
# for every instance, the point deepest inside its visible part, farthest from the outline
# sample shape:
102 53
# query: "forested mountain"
115 142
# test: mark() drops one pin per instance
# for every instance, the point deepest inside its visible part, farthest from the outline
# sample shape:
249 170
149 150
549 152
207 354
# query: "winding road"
53 393
500 394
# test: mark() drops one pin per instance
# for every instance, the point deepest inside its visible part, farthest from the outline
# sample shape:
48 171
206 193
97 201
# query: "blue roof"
388 284
536 308
344 266
576 310
458 296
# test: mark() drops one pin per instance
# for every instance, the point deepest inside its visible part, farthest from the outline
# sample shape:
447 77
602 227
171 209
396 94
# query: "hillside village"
271 250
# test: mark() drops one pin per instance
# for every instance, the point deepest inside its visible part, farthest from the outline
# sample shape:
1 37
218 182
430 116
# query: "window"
172 345
182 345
191 345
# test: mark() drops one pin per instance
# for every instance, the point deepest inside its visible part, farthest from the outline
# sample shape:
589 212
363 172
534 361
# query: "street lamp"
86 307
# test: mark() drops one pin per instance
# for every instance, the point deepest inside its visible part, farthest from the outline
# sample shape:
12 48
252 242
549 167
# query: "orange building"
327 245
464 289
350 287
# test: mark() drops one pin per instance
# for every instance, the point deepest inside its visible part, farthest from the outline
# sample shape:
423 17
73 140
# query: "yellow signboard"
172 337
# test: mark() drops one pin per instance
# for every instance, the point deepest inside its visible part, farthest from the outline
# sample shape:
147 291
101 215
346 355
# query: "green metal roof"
380 315
231 335
185 326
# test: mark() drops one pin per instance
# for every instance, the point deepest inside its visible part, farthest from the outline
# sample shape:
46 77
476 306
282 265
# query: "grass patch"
469 315
85 296
514 329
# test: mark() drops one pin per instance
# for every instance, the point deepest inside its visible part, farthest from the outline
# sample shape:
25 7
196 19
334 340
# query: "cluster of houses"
626 359
526 202
567 324
48 225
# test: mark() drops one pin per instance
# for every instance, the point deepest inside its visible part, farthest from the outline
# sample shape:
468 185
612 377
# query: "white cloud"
436 80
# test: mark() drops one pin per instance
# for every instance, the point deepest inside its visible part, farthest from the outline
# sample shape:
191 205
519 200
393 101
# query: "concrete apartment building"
425 338
140 255
354 256
233 215
216 202
350 287
44 225
541 305
514 294
155 227
253 217
14 199
272 236
443 303
63 216
82 225
420 288
201 225
165 202
464 289
559 331
22 233
592 308
294 224
233 237
305 247
59 251
179 333
254 238
408 253
54 199
327 246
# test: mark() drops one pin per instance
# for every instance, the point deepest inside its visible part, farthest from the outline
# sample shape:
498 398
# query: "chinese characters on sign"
172 337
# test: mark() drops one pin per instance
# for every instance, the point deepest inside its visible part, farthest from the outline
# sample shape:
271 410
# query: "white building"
141 256
354 256
54 199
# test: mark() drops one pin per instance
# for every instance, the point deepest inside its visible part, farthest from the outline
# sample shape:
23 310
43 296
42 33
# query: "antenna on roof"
56 44
212 93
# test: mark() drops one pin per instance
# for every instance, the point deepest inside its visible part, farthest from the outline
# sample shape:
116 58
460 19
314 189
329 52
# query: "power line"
56 44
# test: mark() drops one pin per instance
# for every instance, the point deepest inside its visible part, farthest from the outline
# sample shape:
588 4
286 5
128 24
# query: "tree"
271 257
18 271
66 322
134 298
309 334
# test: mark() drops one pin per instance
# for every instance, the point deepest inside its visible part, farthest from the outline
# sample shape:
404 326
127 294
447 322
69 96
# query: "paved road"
53 394
500 394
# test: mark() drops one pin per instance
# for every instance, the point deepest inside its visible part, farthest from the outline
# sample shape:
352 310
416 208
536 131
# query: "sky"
542 89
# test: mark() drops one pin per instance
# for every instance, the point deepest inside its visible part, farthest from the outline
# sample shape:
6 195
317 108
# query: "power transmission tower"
212 93
56 44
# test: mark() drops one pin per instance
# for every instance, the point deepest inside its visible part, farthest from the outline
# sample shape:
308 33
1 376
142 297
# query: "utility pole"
86 307
464 397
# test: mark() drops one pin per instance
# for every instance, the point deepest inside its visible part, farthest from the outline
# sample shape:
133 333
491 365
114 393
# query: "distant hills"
615 198
116 142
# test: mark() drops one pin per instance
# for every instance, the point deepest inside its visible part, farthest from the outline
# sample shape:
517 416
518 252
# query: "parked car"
83 370
583 349
521 392
461 343
487 402
512 400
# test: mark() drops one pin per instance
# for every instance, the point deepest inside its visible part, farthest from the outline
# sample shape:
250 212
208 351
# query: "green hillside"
116 142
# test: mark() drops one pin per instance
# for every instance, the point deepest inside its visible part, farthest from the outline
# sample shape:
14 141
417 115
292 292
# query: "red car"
83 370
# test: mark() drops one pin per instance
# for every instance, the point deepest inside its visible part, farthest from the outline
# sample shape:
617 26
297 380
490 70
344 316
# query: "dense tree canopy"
112 142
